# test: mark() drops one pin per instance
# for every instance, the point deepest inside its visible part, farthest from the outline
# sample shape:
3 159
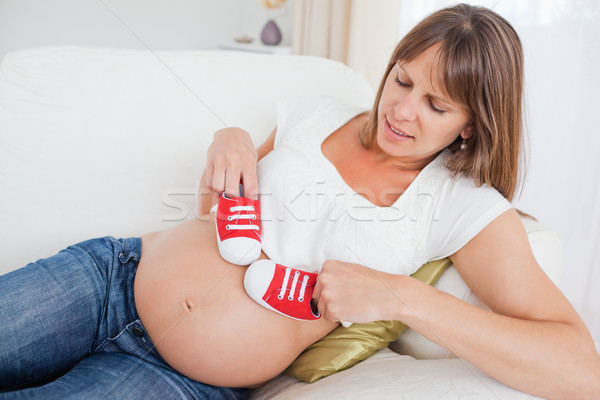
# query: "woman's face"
416 119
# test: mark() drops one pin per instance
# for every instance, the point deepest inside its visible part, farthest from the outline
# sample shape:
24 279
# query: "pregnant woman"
165 316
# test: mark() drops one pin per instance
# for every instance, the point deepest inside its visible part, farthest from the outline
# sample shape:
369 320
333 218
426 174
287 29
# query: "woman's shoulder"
461 208
461 185
438 176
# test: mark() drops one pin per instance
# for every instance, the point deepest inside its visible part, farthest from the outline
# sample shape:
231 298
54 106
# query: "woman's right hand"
231 160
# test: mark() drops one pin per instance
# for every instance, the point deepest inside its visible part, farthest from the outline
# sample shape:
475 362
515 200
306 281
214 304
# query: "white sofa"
112 142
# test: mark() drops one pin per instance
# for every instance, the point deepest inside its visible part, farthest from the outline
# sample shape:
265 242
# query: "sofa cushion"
388 375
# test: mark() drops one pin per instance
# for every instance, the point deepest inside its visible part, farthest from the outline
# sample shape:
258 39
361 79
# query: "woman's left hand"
352 292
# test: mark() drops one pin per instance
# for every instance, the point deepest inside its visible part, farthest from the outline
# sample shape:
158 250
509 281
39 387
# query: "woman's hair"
481 68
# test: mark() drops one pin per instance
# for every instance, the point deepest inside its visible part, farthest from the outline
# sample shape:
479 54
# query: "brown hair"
481 68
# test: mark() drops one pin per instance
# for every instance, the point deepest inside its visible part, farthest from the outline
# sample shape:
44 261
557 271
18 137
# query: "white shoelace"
286 278
242 216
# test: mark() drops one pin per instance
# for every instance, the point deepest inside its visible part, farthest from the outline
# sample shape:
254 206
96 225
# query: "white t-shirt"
310 215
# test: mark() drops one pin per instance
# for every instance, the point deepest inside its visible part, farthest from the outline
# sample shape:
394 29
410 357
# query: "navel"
189 304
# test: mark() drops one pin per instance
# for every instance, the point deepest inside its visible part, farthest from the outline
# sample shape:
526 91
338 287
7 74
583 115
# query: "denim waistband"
129 257
132 249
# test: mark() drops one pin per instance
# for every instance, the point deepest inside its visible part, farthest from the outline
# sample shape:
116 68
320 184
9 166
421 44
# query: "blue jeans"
69 329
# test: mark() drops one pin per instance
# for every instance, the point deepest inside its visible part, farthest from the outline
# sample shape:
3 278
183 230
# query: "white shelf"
256 48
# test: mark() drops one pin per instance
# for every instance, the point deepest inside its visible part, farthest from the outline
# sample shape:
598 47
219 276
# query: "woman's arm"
231 157
533 340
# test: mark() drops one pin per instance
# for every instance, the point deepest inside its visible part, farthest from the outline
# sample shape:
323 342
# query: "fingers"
326 308
317 291
323 279
208 175
233 176
335 291
250 182
225 180
322 294
217 179
223 176
228 181
231 159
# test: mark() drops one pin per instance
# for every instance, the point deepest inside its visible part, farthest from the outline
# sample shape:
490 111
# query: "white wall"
139 24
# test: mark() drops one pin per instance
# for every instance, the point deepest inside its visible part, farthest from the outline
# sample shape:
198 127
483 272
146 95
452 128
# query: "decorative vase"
271 35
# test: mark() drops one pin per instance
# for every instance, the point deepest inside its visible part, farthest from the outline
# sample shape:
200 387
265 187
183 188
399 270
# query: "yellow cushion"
345 347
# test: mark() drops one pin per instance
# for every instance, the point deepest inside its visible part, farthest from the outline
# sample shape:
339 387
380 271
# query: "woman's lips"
395 133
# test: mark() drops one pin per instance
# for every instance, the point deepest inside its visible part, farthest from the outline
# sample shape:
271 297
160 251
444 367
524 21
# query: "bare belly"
202 322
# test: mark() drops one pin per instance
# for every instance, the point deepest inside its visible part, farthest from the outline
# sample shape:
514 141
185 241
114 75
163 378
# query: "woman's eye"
407 85
435 109
402 84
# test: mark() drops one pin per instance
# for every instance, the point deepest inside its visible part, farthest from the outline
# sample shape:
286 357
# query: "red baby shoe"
287 291
238 229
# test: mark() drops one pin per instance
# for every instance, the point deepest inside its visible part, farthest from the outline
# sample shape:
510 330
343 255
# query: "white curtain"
562 53
321 28
373 36
350 31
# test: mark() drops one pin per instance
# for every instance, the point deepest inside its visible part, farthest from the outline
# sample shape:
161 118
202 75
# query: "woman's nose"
405 110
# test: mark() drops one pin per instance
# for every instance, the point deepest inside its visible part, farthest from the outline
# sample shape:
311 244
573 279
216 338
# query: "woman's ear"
467 132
